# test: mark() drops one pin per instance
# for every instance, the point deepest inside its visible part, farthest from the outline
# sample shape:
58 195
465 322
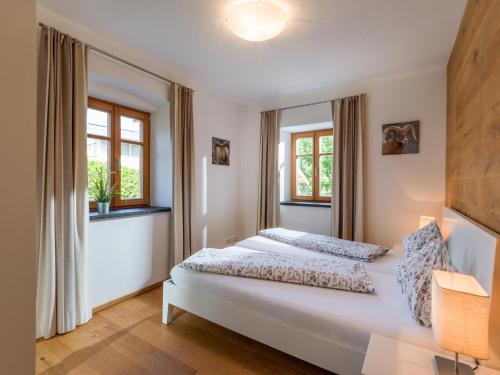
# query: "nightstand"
387 356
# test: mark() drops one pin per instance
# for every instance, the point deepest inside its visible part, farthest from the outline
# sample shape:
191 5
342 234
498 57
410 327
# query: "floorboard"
129 338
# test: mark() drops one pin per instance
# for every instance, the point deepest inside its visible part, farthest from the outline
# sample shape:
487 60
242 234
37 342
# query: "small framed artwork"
220 151
401 138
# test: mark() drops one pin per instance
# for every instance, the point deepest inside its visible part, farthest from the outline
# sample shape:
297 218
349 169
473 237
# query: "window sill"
127 212
306 204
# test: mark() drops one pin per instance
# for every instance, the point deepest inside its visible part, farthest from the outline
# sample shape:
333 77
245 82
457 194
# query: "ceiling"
325 43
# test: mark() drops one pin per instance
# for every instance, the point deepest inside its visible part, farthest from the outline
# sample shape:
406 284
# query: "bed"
329 328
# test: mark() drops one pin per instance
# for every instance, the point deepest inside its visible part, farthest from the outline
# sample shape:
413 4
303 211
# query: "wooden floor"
129 338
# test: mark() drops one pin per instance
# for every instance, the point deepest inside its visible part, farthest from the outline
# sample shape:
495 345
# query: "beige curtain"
269 200
183 169
347 198
62 185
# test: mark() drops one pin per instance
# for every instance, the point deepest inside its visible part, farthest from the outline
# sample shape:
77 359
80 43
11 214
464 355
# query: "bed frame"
472 248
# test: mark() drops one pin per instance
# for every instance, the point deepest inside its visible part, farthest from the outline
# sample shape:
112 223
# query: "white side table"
387 356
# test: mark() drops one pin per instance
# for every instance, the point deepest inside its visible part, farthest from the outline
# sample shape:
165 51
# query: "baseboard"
126 297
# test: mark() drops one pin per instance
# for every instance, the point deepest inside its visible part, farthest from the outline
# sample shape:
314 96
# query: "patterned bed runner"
332 273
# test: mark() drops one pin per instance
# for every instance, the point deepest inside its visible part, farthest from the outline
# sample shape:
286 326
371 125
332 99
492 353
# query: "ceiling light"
256 20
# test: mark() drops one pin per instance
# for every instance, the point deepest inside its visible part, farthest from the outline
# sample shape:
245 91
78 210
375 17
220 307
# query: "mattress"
347 318
383 264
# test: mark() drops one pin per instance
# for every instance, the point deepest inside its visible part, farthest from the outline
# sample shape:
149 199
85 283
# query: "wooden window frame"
315 135
115 111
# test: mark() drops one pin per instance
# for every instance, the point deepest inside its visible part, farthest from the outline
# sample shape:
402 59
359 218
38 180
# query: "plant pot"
103 207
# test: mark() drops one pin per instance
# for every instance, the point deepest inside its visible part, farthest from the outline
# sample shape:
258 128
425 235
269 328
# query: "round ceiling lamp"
256 20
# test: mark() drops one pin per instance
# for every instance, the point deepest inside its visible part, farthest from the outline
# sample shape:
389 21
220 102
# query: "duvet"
332 273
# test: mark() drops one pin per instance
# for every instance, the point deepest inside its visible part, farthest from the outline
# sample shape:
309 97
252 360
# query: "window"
118 141
312 162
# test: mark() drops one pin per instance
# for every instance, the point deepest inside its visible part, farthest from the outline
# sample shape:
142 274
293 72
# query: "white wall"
249 169
111 80
398 188
17 222
307 219
161 158
313 114
126 255
217 216
284 165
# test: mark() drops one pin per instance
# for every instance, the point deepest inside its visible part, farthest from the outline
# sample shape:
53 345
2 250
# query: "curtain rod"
123 61
309 104
303 105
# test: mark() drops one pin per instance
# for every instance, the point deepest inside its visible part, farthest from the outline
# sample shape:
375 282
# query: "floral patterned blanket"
332 273
325 244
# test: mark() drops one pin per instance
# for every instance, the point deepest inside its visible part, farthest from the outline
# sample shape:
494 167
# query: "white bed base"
305 345
472 248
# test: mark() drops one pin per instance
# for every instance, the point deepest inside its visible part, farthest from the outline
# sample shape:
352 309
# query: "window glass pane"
325 175
326 144
131 129
304 146
304 175
98 152
131 171
98 122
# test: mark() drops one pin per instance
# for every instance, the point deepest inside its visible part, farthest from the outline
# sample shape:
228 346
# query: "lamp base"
445 366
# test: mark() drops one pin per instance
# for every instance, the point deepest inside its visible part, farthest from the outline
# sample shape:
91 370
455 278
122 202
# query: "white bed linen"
384 264
341 316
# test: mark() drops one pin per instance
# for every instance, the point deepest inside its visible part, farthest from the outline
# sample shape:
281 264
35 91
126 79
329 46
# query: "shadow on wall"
204 202
403 205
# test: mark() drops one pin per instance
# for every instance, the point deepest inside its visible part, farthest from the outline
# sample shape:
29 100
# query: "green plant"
100 187
130 183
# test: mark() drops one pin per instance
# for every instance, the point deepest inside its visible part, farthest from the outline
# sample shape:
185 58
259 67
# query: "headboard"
473 250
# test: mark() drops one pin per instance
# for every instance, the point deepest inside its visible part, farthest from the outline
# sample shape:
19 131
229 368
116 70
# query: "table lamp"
460 316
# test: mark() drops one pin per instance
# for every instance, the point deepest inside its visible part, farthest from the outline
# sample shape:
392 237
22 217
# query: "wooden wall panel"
473 113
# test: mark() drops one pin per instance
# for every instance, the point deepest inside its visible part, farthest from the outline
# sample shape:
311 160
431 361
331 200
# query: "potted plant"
100 188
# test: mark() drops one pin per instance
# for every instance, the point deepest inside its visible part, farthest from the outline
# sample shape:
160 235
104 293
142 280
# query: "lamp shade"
460 313
256 20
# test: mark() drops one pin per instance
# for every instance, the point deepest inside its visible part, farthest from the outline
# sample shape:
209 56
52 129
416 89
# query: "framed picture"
220 151
401 138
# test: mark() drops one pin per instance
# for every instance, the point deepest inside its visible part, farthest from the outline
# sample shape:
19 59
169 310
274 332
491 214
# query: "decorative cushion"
418 239
414 274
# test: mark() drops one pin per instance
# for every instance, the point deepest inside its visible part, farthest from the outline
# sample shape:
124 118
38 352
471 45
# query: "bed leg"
168 309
